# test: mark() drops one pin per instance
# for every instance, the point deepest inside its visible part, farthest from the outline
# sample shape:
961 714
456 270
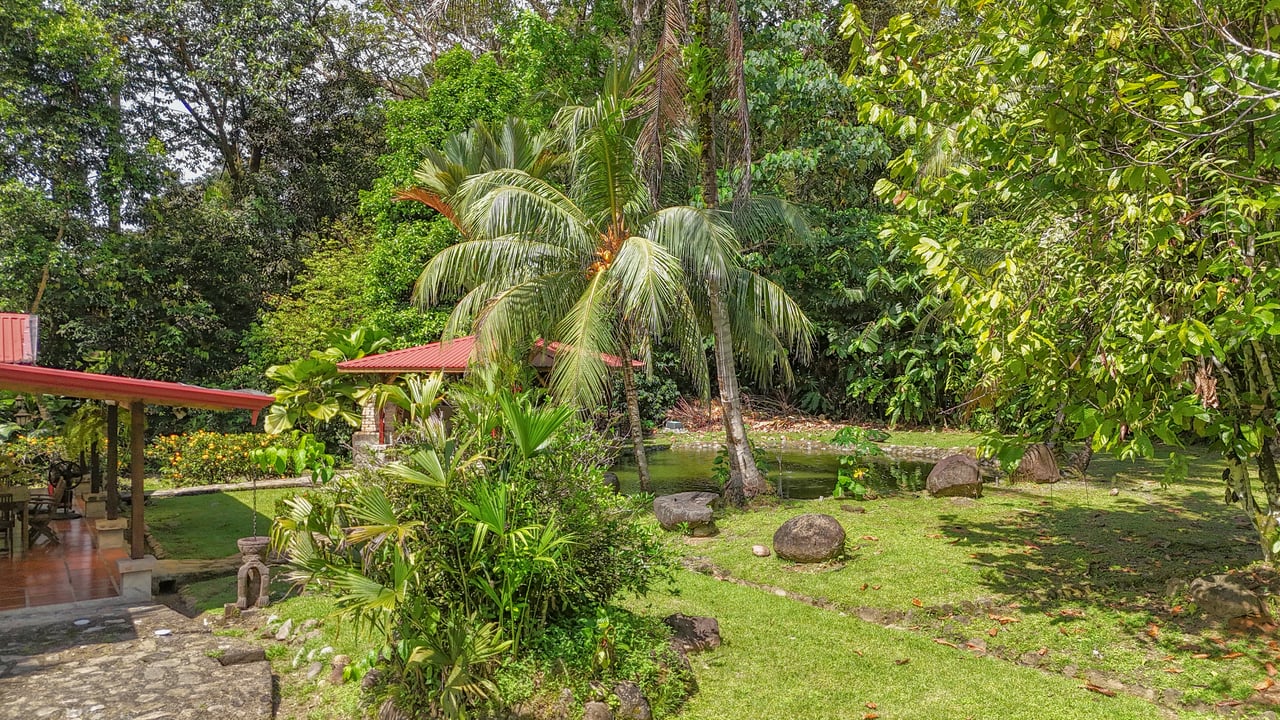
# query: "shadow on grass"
1063 559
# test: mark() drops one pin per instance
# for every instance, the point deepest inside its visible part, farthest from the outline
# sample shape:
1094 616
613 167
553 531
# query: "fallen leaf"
872 538
872 706
1042 651
1153 630
1100 690
865 586
1271 670
1173 670
870 716
903 661
993 631
916 602
949 644
875 587
1264 685
1232 655
1201 656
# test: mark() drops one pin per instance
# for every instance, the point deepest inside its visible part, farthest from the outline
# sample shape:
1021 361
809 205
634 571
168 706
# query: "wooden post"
137 427
95 468
113 461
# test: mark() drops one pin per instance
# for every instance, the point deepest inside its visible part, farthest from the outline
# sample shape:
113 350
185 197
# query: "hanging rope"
254 532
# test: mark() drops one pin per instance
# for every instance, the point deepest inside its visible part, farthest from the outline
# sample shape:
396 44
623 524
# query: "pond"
796 474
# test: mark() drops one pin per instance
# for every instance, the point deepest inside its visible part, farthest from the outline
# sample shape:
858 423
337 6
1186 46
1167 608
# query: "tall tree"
1104 214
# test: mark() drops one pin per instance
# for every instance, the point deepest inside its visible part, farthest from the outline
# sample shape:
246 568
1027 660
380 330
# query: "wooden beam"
137 429
113 461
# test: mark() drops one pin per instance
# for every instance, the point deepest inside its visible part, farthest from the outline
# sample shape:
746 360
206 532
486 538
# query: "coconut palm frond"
585 332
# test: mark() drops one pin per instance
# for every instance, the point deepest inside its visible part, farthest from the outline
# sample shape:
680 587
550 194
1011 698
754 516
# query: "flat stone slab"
126 663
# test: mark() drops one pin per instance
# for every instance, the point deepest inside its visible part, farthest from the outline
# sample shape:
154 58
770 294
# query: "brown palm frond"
661 90
431 200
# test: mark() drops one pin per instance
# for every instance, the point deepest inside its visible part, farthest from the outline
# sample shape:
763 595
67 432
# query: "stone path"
127 663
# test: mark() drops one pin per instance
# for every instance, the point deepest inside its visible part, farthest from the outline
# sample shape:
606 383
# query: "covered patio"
86 558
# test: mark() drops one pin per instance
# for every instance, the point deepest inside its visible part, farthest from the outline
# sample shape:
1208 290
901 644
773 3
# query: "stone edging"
228 487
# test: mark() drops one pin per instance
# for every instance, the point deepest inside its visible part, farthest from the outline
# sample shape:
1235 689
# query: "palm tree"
596 268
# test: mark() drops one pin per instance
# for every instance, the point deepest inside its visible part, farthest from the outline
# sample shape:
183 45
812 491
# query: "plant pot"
256 545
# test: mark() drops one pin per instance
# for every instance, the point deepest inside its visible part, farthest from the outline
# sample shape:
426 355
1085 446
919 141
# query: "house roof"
18 338
73 383
449 356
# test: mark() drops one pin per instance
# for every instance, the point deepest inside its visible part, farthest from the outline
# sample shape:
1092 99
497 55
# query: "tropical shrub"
465 549
207 458
857 444
590 651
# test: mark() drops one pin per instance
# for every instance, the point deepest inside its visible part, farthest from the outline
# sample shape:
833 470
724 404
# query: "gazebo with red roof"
450 357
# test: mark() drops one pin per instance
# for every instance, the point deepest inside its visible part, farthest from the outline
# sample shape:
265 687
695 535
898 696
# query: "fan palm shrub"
470 544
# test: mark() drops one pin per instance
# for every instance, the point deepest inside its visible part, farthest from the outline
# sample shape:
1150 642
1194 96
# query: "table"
21 495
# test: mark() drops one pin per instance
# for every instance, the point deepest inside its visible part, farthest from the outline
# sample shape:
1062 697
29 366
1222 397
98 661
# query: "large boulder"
1223 598
692 509
809 538
693 633
955 476
1038 466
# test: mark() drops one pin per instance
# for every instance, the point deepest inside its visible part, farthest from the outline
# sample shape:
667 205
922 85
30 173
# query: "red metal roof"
72 383
447 356
18 338
610 360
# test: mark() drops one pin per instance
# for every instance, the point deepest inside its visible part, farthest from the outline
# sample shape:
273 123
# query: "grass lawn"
1066 576
784 659
207 526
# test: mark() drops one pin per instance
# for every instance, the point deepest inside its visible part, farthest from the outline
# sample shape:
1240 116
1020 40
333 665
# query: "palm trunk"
633 419
745 479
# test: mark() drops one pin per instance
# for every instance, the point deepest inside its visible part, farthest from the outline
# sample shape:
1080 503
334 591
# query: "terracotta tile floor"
71 571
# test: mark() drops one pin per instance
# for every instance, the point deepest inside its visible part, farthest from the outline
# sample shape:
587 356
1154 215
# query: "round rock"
809 538
690 508
955 476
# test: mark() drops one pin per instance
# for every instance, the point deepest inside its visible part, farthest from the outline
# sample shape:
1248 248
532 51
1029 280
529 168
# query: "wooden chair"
8 521
42 510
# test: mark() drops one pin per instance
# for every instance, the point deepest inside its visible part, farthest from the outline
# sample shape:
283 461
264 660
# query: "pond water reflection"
797 474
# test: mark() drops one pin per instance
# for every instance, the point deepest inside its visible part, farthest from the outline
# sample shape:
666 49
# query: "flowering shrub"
26 459
206 458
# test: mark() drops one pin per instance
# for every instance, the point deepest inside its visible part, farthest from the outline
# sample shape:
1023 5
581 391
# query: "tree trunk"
633 419
745 479
1240 489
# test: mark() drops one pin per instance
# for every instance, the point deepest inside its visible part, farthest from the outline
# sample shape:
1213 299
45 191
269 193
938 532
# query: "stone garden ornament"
253 573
